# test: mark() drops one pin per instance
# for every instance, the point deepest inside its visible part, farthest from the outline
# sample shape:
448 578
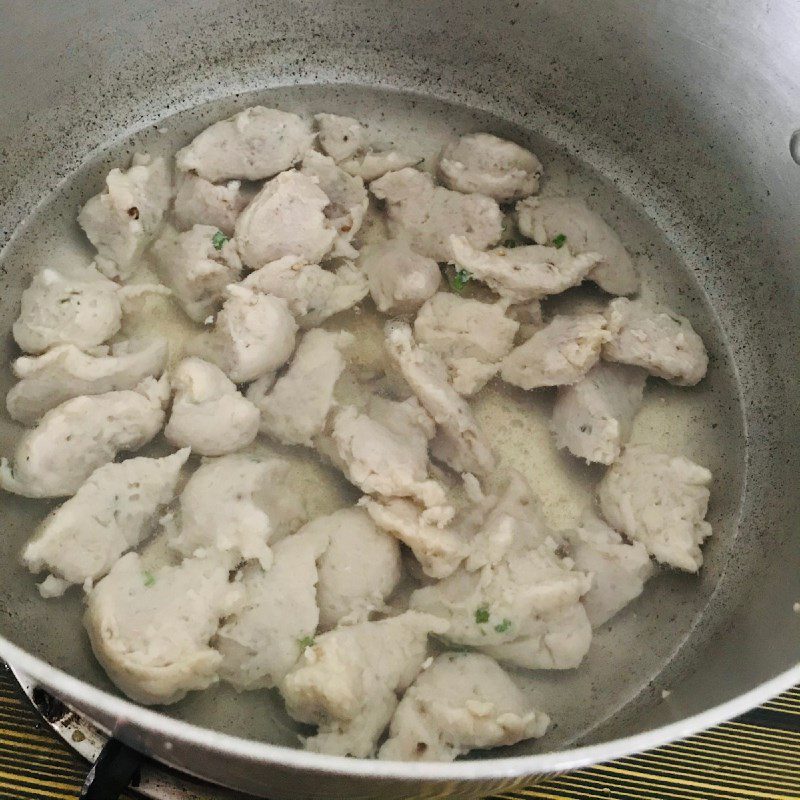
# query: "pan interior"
630 655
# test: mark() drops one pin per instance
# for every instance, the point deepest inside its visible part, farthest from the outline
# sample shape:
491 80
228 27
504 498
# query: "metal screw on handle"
116 767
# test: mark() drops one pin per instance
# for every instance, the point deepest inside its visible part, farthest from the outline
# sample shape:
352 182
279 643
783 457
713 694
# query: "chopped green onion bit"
148 578
482 615
218 240
460 280
558 241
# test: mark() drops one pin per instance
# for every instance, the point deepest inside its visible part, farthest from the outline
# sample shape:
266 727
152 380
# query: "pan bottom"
632 657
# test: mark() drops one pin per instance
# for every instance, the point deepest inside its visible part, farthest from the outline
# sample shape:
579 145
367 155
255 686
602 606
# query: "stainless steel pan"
677 115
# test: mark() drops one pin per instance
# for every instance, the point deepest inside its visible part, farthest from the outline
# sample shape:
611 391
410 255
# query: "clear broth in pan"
627 654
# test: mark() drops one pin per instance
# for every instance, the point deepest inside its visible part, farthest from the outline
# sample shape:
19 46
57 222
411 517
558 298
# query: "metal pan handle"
116 768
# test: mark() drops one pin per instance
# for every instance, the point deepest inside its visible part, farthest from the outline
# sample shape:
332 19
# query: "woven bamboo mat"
756 757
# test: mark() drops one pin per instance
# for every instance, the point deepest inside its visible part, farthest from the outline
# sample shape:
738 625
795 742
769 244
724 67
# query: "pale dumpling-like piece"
111 513
558 354
384 449
262 641
347 196
151 630
208 413
200 202
79 307
196 269
523 273
619 569
295 410
358 570
543 219
437 548
470 336
252 335
125 217
286 218
254 144
481 162
72 440
593 417
662 342
514 589
461 702
64 372
559 640
312 293
347 681
236 504
339 137
459 441
496 604
375 164
430 215
400 280
660 501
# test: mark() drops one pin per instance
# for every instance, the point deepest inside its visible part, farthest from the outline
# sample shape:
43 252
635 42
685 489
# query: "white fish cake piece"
78 307
358 570
558 354
347 196
400 280
254 144
262 641
125 217
253 334
461 702
374 164
64 372
523 273
197 265
543 219
459 441
151 631
296 408
619 569
201 202
513 586
236 504
113 512
470 336
494 605
510 519
347 682
661 341
487 164
559 640
430 215
593 417
208 413
438 549
286 218
72 440
339 137
660 501
384 449
312 293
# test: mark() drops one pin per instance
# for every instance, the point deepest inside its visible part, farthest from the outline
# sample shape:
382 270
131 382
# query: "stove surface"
756 757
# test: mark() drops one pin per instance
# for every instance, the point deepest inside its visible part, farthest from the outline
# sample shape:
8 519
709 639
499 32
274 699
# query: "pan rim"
468 770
